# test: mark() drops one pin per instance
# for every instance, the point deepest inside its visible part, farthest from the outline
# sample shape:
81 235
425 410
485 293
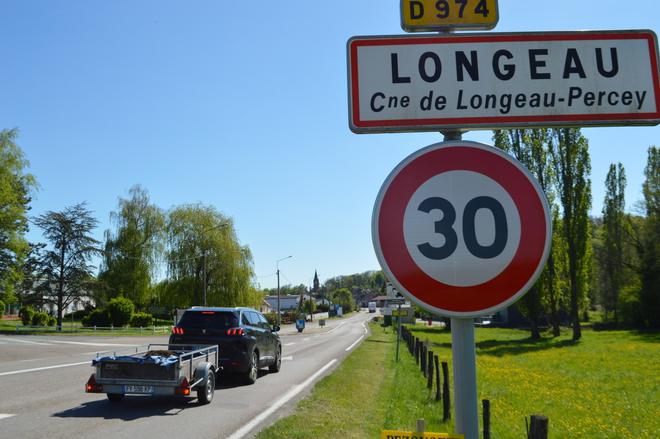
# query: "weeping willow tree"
132 252
203 253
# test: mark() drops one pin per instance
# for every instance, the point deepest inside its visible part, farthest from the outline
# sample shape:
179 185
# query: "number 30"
445 228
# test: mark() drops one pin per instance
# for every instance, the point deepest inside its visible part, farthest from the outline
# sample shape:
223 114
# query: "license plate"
138 389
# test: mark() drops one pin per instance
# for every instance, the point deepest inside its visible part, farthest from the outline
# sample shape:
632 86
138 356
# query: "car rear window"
208 320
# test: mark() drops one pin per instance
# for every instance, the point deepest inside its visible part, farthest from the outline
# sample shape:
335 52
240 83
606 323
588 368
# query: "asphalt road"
42 383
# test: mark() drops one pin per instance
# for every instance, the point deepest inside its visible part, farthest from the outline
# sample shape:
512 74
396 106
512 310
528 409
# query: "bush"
272 318
120 310
52 321
26 314
324 307
39 319
98 317
77 315
141 320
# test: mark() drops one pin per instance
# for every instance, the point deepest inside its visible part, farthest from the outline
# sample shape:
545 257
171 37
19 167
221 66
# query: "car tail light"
92 386
184 388
176 330
235 331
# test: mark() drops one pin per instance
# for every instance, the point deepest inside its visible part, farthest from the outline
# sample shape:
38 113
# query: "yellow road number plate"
434 15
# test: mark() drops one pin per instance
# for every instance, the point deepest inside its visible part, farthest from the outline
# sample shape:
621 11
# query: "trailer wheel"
115 397
205 392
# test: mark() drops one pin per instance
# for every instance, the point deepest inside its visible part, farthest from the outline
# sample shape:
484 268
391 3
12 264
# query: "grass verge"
367 393
605 386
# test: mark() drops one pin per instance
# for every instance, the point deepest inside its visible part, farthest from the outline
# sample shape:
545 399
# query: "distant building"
287 303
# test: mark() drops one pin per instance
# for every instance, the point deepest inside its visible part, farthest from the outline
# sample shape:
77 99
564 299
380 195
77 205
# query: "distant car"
246 341
372 306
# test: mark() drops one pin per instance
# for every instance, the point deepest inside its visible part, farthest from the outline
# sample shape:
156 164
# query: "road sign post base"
465 377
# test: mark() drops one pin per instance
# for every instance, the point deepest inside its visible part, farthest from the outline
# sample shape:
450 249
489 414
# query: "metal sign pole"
398 333
464 362
465 377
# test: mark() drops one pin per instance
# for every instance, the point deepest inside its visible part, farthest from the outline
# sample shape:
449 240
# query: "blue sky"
241 105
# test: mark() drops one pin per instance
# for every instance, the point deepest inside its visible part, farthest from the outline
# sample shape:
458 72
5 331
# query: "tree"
343 297
615 233
648 243
15 189
132 252
202 240
66 272
570 158
530 147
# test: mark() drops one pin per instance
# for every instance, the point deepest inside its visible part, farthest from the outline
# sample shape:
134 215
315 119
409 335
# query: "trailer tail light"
92 386
184 388
235 331
177 331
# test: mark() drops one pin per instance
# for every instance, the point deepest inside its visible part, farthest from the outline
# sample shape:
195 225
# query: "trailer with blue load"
156 370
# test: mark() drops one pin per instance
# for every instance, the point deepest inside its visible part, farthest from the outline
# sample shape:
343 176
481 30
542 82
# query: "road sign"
434 15
503 80
461 228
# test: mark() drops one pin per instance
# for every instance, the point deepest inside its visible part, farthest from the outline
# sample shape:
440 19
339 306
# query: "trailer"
156 370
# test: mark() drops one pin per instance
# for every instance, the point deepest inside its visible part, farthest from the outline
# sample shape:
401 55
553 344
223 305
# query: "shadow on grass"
371 340
648 336
499 348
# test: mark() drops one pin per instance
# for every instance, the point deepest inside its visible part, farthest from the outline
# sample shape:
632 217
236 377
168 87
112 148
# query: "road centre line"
288 358
289 344
336 327
36 369
354 343
5 415
27 341
244 430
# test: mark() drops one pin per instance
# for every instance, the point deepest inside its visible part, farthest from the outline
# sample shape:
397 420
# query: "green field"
605 386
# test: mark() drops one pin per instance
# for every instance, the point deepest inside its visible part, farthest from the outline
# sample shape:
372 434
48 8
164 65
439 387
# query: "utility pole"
277 265
204 277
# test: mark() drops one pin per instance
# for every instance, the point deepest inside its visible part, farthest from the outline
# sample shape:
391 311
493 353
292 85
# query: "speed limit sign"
461 228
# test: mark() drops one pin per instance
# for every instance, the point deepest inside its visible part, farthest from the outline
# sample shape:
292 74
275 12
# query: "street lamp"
277 265
222 225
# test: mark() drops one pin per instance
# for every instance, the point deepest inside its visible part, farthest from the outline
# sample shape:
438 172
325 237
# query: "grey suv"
246 341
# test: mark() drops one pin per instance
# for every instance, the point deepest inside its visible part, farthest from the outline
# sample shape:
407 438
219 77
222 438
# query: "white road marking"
81 343
336 327
5 415
289 358
27 341
354 343
365 328
288 344
306 339
244 430
36 369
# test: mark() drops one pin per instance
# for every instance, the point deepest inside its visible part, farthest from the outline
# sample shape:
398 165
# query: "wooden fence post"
418 346
422 359
437 378
446 407
486 418
429 374
538 427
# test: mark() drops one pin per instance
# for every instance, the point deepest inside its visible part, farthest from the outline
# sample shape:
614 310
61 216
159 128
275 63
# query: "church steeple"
316 284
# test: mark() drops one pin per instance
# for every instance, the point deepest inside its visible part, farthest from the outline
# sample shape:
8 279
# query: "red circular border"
516 183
